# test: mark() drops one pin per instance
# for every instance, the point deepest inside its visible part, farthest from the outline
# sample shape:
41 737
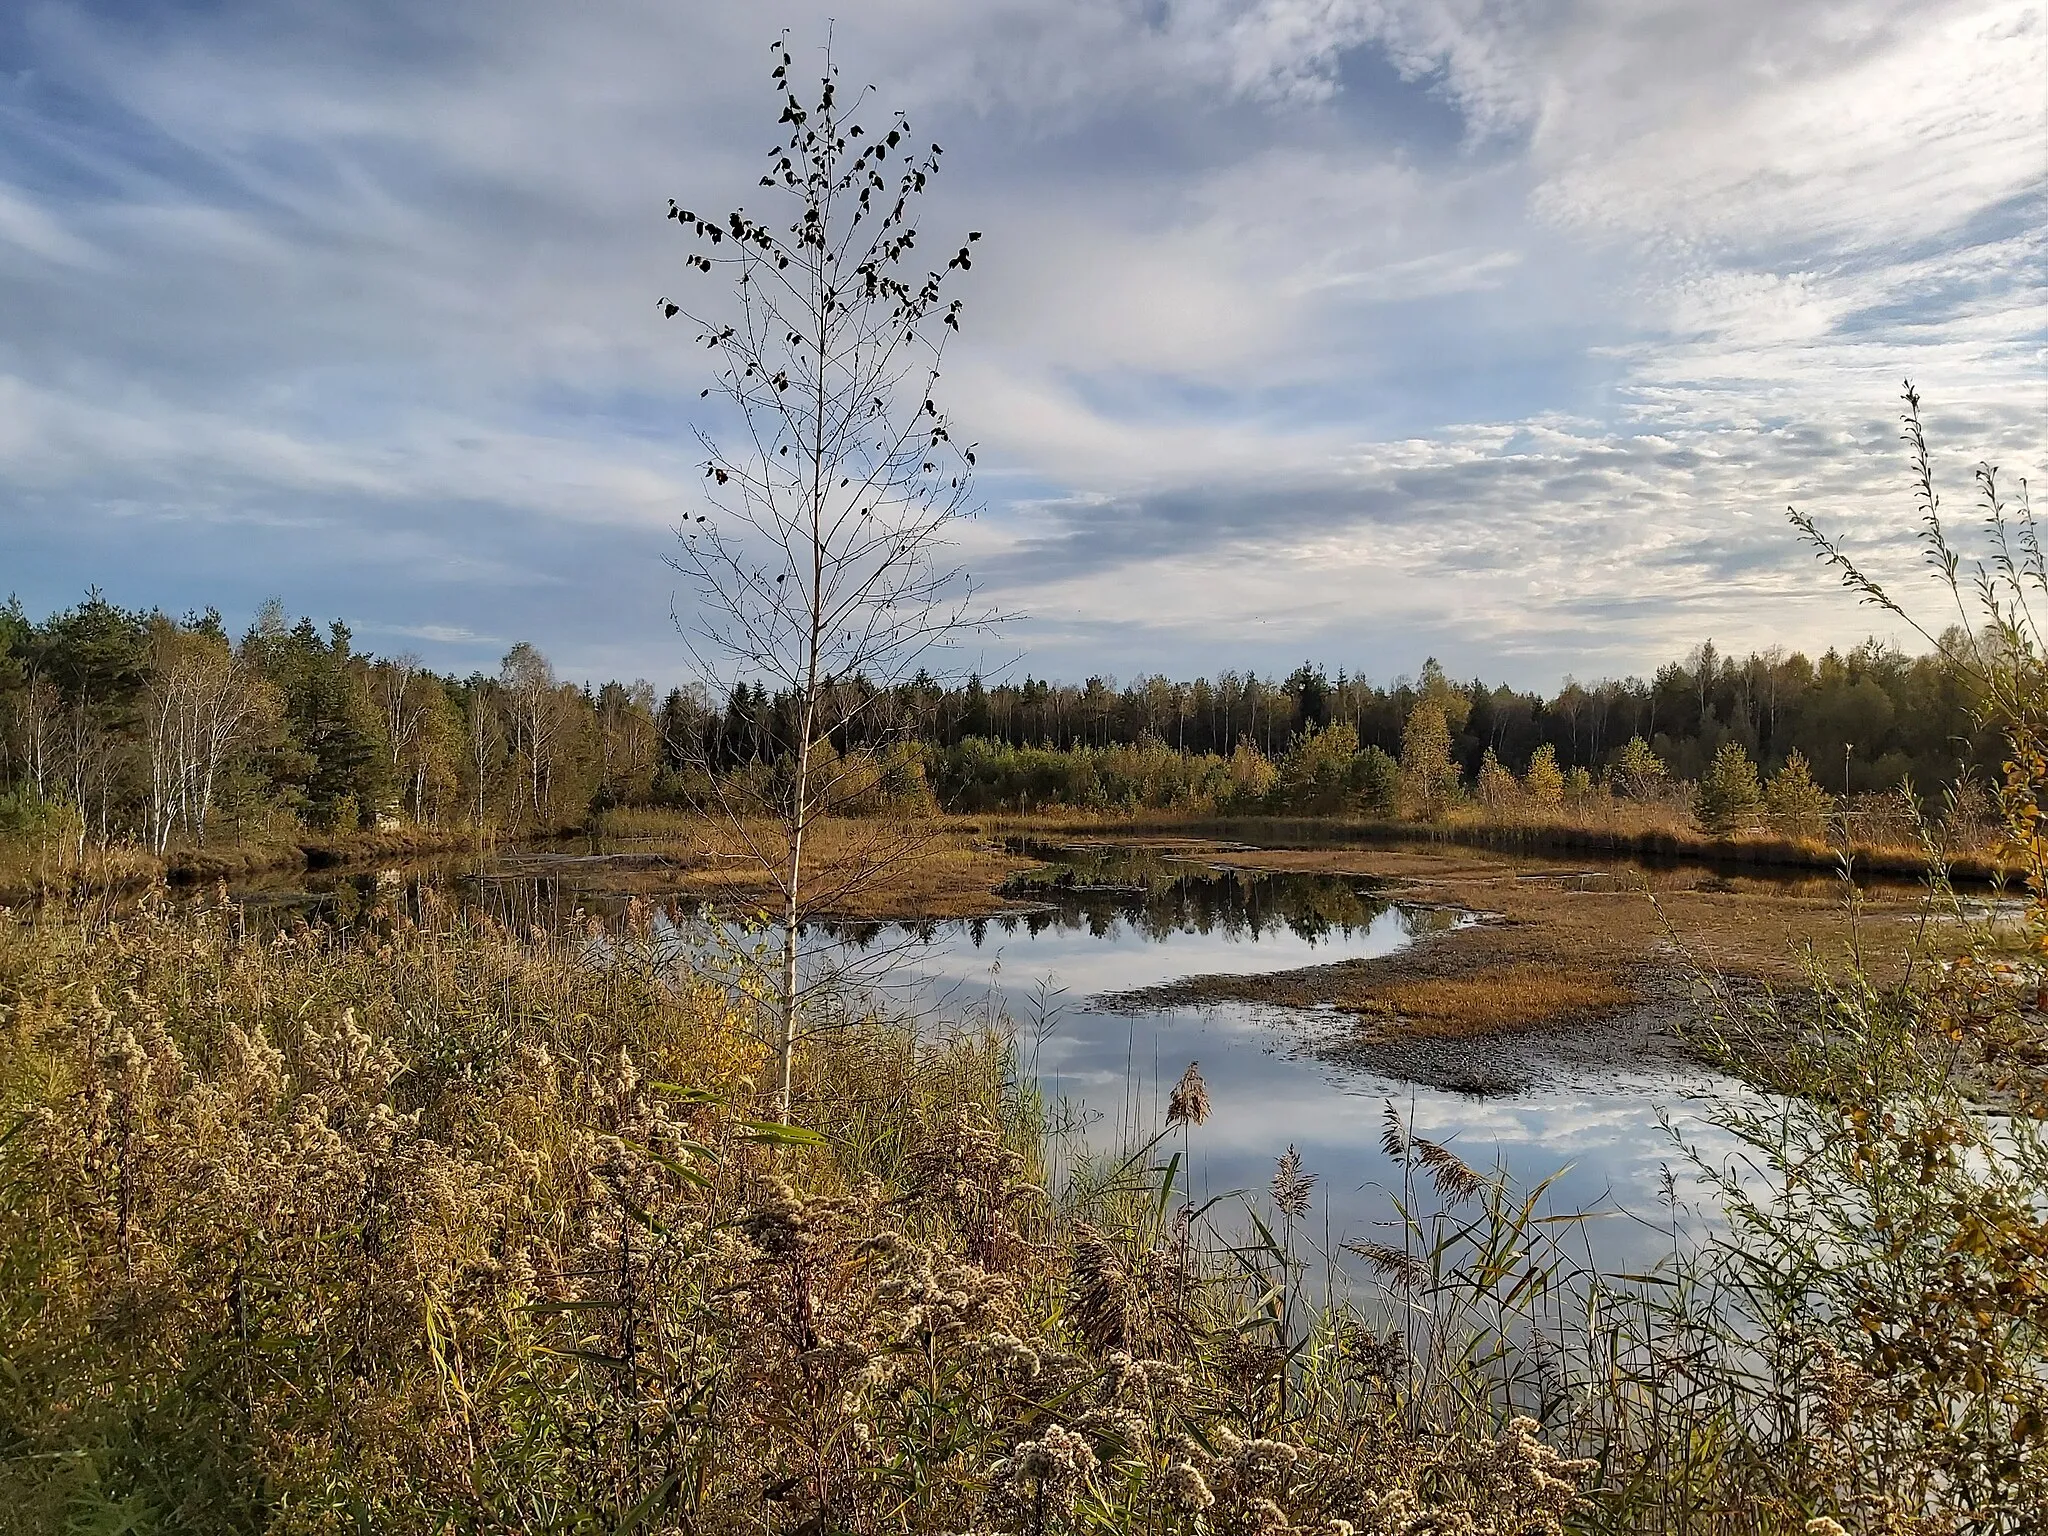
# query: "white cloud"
39 233
1257 358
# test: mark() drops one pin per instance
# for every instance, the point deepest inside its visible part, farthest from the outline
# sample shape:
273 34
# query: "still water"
1128 922
1094 926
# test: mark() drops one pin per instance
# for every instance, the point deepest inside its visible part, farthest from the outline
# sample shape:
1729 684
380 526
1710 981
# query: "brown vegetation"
1546 944
951 869
436 1227
1530 994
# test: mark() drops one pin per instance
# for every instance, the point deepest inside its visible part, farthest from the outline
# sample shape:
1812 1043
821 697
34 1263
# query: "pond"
1094 925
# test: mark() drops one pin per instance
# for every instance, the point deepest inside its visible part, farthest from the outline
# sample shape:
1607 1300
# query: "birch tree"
526 682
484 740
818 558
203 703
38 712
402 691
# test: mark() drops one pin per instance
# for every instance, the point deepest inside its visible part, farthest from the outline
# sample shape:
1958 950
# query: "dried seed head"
1393 1135
1291 1186
1454 1179
1391 1263
1056 1460
1188 1104
1262 1517
1182 1488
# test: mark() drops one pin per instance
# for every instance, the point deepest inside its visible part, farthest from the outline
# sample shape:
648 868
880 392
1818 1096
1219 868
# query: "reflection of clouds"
1602 1135
1123 959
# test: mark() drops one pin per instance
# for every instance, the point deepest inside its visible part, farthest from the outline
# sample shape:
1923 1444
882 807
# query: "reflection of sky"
1117 955
1111 1067
1114 1068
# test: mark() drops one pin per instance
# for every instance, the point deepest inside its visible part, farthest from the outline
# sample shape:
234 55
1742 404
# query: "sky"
1354 331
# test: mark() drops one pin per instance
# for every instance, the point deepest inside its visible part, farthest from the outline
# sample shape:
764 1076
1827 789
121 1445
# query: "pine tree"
1797 804
1638 773
1376 782
1730 795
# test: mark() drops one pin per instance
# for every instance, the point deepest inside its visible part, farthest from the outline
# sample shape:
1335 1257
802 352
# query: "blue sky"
1358 330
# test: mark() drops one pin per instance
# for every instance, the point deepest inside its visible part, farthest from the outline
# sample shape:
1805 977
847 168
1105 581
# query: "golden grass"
55 867
1610 828
858 867
1565 944
1526 993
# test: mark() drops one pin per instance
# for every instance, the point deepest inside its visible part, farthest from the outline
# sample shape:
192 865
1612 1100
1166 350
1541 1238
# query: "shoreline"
123 871
1653 844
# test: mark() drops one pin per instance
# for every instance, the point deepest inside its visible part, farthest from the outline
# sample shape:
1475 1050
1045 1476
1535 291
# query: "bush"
1497 787
28 817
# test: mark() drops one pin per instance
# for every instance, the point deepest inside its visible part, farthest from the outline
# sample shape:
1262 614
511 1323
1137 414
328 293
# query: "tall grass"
431 1225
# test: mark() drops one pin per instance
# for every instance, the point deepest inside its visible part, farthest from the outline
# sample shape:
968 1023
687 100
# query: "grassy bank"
1617 831
41 869
430 1227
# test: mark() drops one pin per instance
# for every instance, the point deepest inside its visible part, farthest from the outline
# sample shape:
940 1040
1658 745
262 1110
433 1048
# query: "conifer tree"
1730 796
1376 782
1795 802
1638 773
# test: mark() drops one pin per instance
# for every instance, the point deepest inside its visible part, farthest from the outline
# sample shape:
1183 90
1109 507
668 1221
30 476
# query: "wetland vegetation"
496 1192
619 1186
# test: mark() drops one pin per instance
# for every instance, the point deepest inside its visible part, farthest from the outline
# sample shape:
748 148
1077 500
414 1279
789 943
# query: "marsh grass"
1529 994
428 1224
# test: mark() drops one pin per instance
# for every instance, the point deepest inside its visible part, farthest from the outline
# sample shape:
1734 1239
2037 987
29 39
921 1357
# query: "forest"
129 727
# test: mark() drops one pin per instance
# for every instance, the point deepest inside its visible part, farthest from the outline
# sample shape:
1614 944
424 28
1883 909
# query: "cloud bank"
1360 331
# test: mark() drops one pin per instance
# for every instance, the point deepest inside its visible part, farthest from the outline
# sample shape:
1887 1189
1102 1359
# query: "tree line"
129 725
1872 712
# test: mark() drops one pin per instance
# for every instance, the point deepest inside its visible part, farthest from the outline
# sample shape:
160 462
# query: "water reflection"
1096 923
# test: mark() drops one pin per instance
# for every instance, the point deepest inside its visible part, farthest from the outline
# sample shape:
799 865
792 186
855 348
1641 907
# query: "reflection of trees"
1101 894
1157 897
